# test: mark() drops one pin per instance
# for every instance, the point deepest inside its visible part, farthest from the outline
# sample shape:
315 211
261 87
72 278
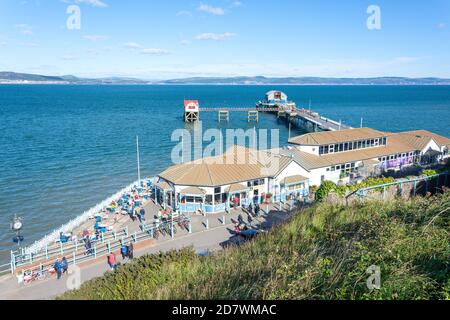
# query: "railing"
362 193
53 251
72 224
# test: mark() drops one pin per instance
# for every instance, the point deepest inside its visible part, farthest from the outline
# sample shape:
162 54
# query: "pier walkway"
304 118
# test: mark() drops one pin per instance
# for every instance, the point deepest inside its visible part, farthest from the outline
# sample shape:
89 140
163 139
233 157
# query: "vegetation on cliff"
321 253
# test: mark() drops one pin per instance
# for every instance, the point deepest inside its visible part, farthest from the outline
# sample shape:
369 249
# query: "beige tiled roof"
420 138
294 179
237 187
163 185
194 191
332 137
238 164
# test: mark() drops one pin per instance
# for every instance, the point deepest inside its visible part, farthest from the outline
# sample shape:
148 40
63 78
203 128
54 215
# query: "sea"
65 148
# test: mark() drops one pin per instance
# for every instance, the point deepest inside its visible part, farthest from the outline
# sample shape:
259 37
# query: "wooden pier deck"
301 117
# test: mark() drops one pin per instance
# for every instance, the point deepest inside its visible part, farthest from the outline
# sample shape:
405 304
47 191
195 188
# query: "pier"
275 102
306 119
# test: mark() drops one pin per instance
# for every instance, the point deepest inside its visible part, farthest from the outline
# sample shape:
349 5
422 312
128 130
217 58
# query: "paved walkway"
201 239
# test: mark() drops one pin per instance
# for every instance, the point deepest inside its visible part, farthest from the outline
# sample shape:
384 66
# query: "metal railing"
362 193
22 258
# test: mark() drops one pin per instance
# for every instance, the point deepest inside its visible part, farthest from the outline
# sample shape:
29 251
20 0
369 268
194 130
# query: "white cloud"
441 25
3 43
94 3
184 13
94 37
68 58
29 44
215 36
24 29
154 51
132 45
185 42
217 11
236 4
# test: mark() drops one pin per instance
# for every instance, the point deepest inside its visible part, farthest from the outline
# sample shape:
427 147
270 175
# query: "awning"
163 185
370 163
193 191
292 180
237 187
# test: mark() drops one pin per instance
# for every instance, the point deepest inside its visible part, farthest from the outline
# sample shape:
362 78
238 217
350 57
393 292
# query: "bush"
325 188
429 173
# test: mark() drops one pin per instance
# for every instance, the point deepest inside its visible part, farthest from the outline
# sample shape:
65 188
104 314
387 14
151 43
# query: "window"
332 148
320 150
377 142
325 150
217 190
208 199
262 182
359 144
333 169
350 146
384 141
346 146
341 147
372 142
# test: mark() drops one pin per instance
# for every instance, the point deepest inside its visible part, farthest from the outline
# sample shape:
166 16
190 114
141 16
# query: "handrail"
360 192
74 223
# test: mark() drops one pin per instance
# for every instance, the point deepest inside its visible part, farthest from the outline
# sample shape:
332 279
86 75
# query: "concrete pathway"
201 239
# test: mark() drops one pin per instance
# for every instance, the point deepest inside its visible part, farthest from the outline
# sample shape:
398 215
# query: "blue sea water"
63 149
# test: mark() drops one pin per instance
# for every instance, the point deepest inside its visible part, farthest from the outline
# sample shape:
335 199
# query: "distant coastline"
35 79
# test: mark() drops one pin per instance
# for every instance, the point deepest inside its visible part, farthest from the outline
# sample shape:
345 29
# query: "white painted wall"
309 149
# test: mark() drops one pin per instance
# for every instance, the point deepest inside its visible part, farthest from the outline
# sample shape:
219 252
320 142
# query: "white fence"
78 221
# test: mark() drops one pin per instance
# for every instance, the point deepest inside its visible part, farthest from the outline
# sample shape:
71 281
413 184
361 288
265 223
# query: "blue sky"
155 39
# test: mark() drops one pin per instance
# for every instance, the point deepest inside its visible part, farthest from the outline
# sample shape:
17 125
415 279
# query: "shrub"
325 188
429 173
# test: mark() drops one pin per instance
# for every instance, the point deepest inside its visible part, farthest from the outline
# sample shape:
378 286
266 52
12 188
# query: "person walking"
112 261
58 268
64 265
142 215
124 251
257 209
131 251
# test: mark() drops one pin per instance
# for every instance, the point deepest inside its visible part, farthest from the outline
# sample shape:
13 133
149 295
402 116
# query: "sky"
165 39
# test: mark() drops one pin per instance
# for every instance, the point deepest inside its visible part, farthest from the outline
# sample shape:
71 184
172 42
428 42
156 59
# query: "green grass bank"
321 253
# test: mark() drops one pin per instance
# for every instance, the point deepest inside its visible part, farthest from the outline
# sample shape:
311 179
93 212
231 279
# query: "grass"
322 253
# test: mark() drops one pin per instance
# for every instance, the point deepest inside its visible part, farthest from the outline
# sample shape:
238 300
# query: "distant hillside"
321 253
19 78
311 81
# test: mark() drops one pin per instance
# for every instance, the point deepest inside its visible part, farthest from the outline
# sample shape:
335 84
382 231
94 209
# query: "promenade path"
201 239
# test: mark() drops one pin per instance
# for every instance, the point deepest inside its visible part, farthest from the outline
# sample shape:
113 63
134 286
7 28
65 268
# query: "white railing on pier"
78 221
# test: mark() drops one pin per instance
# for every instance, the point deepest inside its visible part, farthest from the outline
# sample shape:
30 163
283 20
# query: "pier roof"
237 164
332 137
